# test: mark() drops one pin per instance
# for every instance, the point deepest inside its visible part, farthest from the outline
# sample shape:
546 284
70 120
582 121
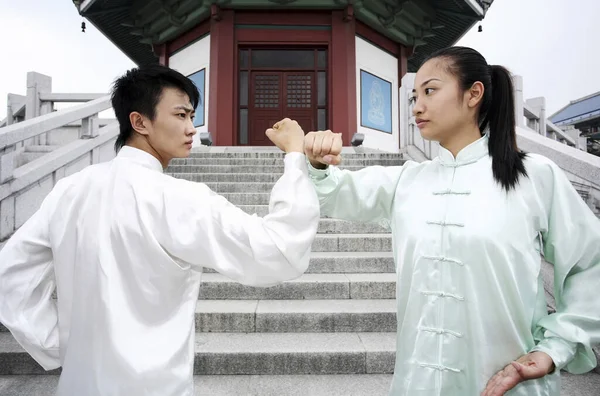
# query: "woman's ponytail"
497 111
507 159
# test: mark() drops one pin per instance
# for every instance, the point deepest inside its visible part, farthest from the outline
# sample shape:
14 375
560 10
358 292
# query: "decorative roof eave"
407 23
423 25
83 5
477 6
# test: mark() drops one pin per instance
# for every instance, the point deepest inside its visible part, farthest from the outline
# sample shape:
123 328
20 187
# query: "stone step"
334 226
347 262
289 316
351 262
341 263
282 385
259 210
228 177
279 161
237 187
257 202
296 316
349 289
258 353
352 243
228 385
306 287
278 169
295 353
364 243
248 198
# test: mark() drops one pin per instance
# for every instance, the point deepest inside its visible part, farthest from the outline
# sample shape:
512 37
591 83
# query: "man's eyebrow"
185 108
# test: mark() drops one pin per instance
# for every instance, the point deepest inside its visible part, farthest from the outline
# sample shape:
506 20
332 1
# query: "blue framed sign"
375 102
199 79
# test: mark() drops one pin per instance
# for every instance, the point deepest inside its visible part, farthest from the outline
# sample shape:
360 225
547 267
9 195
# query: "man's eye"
412 100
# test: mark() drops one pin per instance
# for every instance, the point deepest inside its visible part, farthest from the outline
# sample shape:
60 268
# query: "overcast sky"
553 44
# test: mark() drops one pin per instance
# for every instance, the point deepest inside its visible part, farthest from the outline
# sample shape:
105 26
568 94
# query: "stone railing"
40 100
565 148
24 186
532 114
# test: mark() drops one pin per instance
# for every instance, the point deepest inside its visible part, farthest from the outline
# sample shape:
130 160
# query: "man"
126 243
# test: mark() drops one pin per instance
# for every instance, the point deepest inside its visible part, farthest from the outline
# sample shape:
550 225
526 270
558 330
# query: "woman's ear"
475 94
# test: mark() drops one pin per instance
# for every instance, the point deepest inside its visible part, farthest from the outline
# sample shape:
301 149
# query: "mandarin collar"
471 153
140 157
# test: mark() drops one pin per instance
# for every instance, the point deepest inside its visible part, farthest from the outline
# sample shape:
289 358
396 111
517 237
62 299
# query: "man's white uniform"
125 244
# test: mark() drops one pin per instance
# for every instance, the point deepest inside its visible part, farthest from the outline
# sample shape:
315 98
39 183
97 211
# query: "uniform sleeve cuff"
295 160
317 174
561 351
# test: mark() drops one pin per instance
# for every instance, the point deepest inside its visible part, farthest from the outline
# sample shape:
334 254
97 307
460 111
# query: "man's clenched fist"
323 148
287 135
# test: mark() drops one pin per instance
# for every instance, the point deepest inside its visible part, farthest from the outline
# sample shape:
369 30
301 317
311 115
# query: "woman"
467 232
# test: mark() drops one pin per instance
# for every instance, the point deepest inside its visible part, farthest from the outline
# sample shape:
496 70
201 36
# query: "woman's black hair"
497 111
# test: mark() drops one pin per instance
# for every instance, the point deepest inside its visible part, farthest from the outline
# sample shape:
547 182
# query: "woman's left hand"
527 367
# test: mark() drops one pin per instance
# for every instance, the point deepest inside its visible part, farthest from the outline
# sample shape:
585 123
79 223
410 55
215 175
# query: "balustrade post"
7 164
36 83
89 127
7 217
518 91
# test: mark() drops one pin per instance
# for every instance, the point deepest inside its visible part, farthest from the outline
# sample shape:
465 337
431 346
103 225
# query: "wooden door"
300 99
266 105
275 95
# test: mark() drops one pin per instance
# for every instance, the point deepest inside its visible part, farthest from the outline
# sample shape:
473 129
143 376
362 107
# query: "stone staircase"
329 332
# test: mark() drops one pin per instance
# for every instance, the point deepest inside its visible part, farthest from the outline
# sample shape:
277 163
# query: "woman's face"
441 107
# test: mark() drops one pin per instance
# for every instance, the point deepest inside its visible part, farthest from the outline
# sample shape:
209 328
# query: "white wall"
189 60
380 63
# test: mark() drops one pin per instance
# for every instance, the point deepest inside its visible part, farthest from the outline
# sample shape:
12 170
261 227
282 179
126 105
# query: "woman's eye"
429 90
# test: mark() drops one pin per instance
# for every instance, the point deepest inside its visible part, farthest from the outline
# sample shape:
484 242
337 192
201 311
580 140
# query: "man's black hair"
140 90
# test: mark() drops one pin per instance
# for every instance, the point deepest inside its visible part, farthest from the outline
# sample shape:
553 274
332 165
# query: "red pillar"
402 70
402 63
343 74
161 52
221 96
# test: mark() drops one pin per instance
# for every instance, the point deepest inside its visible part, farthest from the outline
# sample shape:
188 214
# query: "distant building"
584 115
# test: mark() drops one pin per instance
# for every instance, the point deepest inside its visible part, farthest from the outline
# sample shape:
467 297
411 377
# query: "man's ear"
138 122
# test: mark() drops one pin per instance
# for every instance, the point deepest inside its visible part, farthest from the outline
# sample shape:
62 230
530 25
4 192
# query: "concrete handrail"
586 166
16 133
34 171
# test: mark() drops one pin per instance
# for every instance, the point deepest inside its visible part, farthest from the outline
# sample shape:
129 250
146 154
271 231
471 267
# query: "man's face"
171 132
